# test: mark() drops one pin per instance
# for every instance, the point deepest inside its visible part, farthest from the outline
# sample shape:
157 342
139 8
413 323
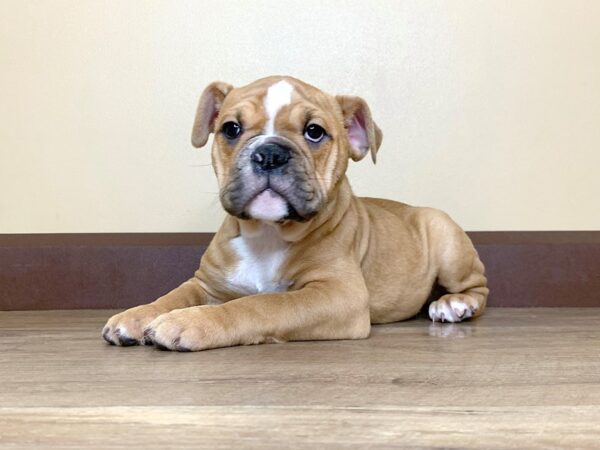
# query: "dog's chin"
270 206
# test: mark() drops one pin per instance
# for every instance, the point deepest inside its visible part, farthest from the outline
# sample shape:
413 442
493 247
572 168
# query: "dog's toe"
179 347
452 309
124 339
106 337
148 338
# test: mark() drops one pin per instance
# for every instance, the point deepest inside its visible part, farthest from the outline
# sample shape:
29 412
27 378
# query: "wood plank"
267 427
515 378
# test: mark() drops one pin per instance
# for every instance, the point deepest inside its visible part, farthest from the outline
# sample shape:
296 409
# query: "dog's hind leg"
461 273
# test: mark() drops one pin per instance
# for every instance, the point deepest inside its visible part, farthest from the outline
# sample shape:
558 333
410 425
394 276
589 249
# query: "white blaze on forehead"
278 96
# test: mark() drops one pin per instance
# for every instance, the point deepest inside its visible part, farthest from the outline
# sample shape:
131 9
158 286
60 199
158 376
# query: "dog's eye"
231 130
314 133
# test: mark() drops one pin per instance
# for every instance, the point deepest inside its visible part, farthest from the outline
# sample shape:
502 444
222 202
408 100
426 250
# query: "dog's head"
281 145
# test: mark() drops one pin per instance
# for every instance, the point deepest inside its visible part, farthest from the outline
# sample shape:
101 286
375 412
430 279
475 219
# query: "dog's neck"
323 222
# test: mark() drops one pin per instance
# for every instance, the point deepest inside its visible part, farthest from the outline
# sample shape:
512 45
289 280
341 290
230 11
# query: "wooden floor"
516 378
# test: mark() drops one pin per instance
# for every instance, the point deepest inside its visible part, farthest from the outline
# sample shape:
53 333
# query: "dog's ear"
208 109
363 132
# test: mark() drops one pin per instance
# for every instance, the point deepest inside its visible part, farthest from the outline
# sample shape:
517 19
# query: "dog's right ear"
208 109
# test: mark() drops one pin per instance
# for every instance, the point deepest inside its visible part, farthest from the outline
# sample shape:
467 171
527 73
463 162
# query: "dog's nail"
460 313
123 339
106 338
126 341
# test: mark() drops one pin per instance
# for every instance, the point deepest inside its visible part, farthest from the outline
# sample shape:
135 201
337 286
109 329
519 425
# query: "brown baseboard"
79 271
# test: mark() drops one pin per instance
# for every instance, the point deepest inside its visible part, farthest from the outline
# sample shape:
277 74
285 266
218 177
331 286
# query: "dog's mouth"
271 206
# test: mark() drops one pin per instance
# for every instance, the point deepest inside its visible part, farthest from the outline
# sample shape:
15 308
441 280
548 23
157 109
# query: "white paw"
453 308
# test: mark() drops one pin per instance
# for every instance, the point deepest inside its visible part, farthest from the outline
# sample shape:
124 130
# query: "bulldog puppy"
299 257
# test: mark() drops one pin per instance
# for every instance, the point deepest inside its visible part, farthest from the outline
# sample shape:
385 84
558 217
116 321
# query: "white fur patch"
452 309
278 96
268 206
260 259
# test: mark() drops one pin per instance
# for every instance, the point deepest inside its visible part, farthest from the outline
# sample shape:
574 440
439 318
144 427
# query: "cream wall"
490 109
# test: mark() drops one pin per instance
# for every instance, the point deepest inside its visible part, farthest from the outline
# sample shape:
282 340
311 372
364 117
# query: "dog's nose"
270 156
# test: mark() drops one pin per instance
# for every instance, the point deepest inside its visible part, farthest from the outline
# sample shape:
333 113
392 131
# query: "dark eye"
231 130
314 133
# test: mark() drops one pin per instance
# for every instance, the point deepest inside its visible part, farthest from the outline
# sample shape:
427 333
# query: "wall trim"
119 270
104 239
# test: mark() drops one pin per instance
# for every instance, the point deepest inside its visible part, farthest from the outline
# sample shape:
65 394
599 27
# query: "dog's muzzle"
271 181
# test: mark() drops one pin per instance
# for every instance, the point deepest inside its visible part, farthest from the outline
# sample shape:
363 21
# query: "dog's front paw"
453 308
127 328
183 330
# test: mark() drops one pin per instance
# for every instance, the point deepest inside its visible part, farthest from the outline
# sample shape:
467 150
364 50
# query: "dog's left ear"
363 132
208 109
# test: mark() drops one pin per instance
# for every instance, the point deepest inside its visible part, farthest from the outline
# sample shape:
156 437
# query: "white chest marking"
260 260
278 96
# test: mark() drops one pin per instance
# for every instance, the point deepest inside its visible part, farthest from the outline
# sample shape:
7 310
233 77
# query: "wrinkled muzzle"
271 180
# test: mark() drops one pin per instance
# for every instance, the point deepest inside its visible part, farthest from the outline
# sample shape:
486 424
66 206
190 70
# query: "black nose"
270 156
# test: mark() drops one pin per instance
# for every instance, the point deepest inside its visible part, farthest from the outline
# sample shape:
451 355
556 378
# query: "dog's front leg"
127 327
321 310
